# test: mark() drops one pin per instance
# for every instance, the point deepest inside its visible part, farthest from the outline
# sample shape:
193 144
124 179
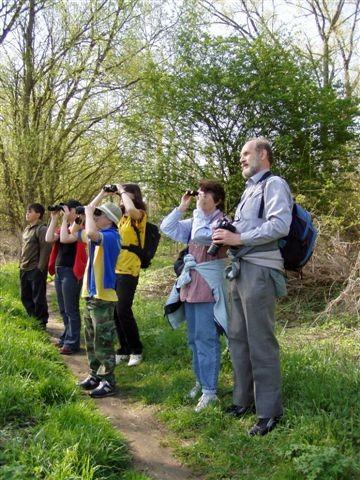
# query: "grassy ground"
319 437
48 430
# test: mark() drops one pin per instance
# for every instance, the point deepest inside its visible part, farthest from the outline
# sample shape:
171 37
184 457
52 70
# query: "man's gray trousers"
253 346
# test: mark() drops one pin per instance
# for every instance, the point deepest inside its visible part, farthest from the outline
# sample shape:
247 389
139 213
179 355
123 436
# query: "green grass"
319 436
48 430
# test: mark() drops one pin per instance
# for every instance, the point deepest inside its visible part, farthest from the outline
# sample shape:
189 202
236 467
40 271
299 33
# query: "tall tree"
219 92
66 86
337 26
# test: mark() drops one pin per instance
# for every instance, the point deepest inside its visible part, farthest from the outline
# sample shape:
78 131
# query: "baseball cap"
112 211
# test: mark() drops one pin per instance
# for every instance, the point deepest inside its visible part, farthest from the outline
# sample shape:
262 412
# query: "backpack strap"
137 249
137 231
263 185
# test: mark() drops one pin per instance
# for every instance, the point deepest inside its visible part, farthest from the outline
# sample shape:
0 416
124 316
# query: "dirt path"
135 421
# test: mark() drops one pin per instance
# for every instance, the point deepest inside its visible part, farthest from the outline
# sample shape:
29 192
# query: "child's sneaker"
105 389
134 359
205 401
89 383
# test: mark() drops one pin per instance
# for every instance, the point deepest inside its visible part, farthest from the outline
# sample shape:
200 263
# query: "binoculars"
56 208
110 188
192 193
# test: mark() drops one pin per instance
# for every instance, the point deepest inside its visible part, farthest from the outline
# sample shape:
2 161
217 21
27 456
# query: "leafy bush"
319 462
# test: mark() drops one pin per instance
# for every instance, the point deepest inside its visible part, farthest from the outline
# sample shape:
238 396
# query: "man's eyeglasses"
97 212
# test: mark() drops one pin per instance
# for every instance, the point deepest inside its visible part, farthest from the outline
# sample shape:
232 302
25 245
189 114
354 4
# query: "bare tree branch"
9 13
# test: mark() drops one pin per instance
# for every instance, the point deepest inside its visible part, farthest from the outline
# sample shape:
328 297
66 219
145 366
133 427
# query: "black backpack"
152 238
298 246
179 262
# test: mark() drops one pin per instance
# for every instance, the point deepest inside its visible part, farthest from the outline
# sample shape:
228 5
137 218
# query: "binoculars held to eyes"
56 208
80 210
192 193
110 188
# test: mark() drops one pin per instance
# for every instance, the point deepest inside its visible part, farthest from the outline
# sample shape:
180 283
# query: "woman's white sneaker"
134 359
194 391
121 358
205 401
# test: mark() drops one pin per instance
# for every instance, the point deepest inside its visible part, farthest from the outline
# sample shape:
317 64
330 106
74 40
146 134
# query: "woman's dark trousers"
126 327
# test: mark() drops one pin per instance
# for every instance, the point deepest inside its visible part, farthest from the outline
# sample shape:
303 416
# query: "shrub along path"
135 421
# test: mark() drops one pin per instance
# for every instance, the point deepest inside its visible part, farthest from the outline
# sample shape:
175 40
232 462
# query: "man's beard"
253 168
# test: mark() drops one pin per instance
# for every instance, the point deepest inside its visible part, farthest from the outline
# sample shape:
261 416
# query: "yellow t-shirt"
108 294
129 263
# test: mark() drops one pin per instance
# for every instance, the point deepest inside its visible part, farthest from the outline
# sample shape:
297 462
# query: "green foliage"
80 108
218 92
73 441
131 475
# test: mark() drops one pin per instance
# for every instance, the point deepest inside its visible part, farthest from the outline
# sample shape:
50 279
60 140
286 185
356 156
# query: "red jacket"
80 259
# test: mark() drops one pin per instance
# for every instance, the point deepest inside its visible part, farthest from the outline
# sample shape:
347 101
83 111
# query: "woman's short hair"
217 191
135 190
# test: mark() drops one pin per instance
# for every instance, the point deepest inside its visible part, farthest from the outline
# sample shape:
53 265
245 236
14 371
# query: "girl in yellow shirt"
132 230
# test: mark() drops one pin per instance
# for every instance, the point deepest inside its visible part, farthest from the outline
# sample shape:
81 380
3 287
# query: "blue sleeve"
175 228
202 229
110 241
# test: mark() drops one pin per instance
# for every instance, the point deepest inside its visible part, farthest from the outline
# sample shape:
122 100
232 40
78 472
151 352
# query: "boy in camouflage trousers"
103 240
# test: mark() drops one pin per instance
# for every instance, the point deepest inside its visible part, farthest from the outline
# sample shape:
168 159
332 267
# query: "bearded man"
263 216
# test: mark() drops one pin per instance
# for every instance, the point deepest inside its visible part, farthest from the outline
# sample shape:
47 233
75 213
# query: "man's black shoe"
264 426
89 383
239 411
